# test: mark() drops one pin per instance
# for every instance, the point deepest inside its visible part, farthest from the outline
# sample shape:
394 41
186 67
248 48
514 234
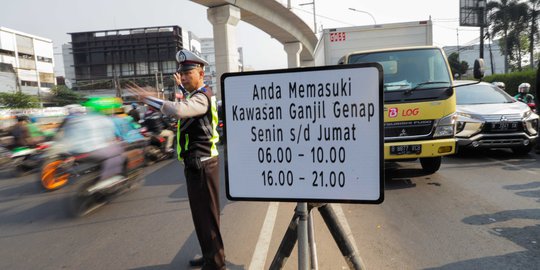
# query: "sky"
53 19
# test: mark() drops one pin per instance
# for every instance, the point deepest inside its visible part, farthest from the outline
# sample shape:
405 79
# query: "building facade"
27 63
493 56
109 59
208 53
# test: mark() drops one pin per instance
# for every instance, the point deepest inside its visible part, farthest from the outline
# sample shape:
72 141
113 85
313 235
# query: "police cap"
188 60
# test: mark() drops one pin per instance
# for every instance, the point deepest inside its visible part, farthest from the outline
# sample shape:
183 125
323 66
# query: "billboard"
472 13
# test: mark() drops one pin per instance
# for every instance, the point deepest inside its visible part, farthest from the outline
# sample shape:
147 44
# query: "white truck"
337 42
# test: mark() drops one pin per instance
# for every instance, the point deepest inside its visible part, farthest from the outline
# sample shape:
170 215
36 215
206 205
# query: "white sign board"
305 134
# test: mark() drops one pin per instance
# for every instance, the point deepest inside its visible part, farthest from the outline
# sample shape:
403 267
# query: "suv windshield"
409 69
481 94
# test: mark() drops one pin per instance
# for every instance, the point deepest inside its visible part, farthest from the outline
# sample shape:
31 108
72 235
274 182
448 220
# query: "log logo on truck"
394 112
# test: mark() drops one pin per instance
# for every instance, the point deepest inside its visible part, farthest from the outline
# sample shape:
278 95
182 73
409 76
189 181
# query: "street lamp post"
361 11
314 16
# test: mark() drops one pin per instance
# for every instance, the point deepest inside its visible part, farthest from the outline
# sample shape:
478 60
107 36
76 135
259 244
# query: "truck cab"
419 103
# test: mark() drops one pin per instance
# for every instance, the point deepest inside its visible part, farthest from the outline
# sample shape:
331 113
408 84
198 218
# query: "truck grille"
408 129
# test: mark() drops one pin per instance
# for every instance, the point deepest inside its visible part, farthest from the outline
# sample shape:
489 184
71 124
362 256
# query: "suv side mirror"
478 71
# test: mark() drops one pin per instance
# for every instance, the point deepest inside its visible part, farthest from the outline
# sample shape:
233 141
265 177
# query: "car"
488 117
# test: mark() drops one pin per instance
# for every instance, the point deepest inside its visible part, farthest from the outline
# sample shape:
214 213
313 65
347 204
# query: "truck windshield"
409 70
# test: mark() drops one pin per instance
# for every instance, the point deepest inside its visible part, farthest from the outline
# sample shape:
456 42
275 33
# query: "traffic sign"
305 134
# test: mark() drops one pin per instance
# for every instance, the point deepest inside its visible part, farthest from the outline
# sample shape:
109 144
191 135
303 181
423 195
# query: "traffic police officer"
197 147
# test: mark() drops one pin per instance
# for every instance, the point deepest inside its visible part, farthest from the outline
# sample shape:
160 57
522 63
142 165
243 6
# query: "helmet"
75 109
22 117
500 85
524 88
105 105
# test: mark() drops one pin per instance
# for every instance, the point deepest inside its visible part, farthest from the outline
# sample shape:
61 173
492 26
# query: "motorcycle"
90 192
59 167
23 160
532 105
156 151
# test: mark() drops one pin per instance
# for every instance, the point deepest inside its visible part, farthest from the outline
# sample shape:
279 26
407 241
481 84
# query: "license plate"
504 126
406 149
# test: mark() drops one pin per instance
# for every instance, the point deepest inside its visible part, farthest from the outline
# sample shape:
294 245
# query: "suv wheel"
522 150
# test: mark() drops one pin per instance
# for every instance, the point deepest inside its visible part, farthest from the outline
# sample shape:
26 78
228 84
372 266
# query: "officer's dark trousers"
203 193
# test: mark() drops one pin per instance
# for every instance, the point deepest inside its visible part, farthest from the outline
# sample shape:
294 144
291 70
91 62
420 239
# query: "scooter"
60 168
23 160
155 151
89 192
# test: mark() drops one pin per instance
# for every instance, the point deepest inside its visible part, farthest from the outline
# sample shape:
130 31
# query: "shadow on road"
173 174
15 191
399 175
527 237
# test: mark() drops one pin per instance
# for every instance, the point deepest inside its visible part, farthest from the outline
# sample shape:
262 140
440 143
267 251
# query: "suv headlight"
530 122
468 125
445 126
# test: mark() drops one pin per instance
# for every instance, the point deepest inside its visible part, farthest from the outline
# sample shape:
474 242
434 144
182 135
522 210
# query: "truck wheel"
430 165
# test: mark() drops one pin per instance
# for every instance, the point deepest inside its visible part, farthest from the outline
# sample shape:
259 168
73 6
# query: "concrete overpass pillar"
224 20
293 50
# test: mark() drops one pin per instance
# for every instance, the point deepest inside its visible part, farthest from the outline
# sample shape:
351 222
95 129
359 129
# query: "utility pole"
481 17
157 83
117 84
314 15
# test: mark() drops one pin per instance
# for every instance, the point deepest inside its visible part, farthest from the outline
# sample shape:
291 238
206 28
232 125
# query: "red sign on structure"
337 36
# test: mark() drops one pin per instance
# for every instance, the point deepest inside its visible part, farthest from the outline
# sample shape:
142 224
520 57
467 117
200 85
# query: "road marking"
263 243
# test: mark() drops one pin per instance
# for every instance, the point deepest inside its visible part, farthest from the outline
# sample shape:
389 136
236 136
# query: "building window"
26 56
44 59
29 83
142 68
169 67
127 70
47 85
7 53
154 67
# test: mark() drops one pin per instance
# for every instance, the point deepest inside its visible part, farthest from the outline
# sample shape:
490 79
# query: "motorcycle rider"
134 113
523 94
500 85
21 132
94 134
155 123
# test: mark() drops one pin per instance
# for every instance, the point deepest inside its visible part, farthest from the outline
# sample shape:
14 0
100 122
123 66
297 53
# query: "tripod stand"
297 230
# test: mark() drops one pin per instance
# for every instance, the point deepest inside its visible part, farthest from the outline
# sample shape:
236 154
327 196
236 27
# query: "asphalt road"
480 211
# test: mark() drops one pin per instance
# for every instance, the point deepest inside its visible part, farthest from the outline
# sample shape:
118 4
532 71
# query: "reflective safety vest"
198 136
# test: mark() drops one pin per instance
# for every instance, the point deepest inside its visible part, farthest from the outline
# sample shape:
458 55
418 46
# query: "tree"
456 66
518 40
507 19
534 12
18 100
62 95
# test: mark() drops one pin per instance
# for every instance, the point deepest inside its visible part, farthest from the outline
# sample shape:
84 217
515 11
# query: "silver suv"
487 117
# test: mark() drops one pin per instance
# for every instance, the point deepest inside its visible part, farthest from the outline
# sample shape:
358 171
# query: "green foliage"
456 66
514 79
62 95
18 100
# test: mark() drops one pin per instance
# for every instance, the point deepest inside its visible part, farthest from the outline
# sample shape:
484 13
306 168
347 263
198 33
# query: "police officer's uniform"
197 146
